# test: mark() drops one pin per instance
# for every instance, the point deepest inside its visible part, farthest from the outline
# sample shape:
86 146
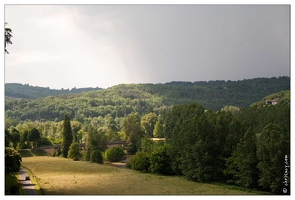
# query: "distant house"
116 143
272 101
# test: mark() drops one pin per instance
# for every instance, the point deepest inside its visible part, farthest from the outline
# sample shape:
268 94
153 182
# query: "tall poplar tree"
67 136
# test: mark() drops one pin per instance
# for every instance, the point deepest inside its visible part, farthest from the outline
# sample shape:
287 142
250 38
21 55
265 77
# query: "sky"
67 46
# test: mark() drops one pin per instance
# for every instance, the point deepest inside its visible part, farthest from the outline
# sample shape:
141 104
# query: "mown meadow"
62 176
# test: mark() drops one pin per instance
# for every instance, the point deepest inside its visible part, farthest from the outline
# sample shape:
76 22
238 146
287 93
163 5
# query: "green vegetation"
12 160
115 154
12 185
67 136
84 178
120 100
74 151
96 156
246 150
17 91
240 146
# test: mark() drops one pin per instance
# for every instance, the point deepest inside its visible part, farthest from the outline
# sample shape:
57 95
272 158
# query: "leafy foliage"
121 100
34 136
271 151
74 151
115 154
160 161
17 90
133 131
242 165
96 141
67 136
244 146
7 138
15 137
140 161
12 160
96 156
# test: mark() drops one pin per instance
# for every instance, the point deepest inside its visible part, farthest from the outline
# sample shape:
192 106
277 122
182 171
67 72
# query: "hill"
20 91
120 100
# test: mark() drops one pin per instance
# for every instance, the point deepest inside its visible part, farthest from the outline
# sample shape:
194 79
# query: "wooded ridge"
120 100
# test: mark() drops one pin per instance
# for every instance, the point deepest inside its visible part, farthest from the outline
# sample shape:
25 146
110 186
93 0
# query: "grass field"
60 176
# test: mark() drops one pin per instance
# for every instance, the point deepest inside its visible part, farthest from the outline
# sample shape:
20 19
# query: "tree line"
247 150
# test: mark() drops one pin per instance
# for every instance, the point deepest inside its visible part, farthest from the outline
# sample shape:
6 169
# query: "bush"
74 151
12 160
115 154
96 157
160 162
140 162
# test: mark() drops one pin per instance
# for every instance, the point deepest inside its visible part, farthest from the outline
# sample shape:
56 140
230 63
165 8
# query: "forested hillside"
247 146
120 100
16 90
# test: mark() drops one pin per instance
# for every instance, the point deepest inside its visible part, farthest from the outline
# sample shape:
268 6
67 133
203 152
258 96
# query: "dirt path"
27 185
116 164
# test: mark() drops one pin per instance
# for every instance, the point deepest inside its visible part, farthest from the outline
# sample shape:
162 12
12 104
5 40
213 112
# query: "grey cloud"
160 43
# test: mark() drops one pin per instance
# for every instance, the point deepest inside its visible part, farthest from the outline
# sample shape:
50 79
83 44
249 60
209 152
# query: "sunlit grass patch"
64 177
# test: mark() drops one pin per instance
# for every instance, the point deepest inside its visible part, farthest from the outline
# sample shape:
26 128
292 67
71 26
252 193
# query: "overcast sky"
66 46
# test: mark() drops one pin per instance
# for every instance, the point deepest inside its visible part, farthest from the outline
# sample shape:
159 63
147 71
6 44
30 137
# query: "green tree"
67 136
24 140
160 161
147 145
8 36
247 161
76 126
12 160
34 136
74 151
115 154
133 132
148 122
96 140
7 138
158 130
96 156
15 137
140 161
271 150
241 167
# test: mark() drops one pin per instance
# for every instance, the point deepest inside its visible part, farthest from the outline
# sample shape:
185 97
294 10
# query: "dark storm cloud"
210 42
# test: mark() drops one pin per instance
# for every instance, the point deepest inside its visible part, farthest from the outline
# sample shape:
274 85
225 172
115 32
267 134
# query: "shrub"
160 161
115 154
12 160
96 156
74 151
140 162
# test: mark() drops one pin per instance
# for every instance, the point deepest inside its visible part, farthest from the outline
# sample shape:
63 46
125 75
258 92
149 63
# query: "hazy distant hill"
17 90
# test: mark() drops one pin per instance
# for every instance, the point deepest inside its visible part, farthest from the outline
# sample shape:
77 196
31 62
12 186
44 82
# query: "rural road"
27 185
